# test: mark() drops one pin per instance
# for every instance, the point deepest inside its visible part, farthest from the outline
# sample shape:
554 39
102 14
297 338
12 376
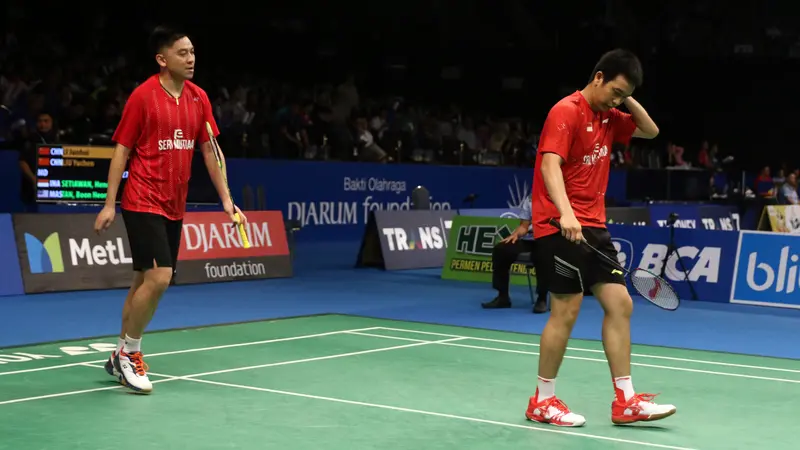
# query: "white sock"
625 384
120 344
547 388
132 345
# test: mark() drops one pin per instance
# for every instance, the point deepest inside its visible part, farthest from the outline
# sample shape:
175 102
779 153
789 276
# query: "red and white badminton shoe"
552 411
639 408
133 371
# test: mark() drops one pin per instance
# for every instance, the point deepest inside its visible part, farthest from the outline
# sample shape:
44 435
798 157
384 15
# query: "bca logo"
624 249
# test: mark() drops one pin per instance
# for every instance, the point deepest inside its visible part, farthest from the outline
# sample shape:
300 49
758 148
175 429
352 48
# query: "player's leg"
503 256
608 285
138 279
151 254
561 264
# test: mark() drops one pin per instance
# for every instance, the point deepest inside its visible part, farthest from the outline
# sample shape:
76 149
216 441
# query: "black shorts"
154 240
569 268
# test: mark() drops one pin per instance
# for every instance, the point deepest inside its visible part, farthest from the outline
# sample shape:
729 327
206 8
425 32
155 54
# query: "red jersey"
162 133
583 139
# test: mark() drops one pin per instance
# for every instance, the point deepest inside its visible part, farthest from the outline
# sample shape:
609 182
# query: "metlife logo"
61 252
766 272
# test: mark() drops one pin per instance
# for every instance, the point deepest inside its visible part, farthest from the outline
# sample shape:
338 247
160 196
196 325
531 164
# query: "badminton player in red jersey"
569 184
162 122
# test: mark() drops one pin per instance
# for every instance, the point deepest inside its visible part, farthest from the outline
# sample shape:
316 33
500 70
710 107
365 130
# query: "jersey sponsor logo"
767 270
178 142
597 155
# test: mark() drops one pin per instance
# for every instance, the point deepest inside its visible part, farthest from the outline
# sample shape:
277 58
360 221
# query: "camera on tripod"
673 217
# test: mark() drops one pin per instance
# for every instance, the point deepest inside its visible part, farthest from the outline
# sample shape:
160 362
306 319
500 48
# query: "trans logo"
423 238
767 269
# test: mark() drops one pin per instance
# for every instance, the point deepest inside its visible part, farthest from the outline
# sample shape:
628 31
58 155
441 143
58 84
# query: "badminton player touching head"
569 184
162 123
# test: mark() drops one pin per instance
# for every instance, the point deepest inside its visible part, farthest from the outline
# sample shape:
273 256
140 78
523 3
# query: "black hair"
164 36
619 62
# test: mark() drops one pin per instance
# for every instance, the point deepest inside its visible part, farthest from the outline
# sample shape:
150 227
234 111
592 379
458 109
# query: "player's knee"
159 278
565 307
615 299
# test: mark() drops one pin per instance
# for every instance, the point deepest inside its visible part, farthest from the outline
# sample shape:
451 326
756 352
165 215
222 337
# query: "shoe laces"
555 402
138 363
643 397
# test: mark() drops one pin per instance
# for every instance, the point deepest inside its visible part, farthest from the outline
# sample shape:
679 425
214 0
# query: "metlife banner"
708 257
61 252
767 266
10 277
397 240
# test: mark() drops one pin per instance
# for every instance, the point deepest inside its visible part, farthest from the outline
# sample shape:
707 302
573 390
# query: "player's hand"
104 219
571 229
510 239
234 213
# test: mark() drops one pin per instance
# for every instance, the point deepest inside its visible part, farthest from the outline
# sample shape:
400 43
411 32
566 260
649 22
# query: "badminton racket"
652 287
217 156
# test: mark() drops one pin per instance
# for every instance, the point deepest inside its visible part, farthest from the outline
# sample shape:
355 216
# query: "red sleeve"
558 131
131 124
623 126
208 116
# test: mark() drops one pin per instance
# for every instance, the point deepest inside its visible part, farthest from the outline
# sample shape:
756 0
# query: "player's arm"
557 136
115 170
645 126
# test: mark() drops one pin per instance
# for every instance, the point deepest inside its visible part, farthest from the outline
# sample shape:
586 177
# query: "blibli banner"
10 275
707 257
332 200
766 270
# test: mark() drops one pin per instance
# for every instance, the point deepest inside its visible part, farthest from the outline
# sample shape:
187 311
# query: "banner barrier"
469 251
766 271
398 240
707 256
332 200
61 252
780 219
212 251
10 275
708 217
638 216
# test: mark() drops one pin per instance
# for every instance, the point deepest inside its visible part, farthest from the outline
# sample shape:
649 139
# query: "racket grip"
555 223
242 232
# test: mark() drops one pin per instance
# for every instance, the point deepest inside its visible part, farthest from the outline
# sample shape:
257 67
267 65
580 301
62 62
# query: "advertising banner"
766 271
469 252
638 216
61 252
506 213
397 240
212 250
332 200
10 275
706 256
708 217
783 218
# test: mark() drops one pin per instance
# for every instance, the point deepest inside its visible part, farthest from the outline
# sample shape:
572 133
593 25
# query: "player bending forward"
163 119
569 184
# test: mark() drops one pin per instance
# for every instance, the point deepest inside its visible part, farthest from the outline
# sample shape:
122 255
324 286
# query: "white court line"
581 358
238 369
192 350
436 414
590 350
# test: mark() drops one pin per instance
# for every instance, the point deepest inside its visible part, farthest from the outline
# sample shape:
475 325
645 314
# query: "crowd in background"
77 97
